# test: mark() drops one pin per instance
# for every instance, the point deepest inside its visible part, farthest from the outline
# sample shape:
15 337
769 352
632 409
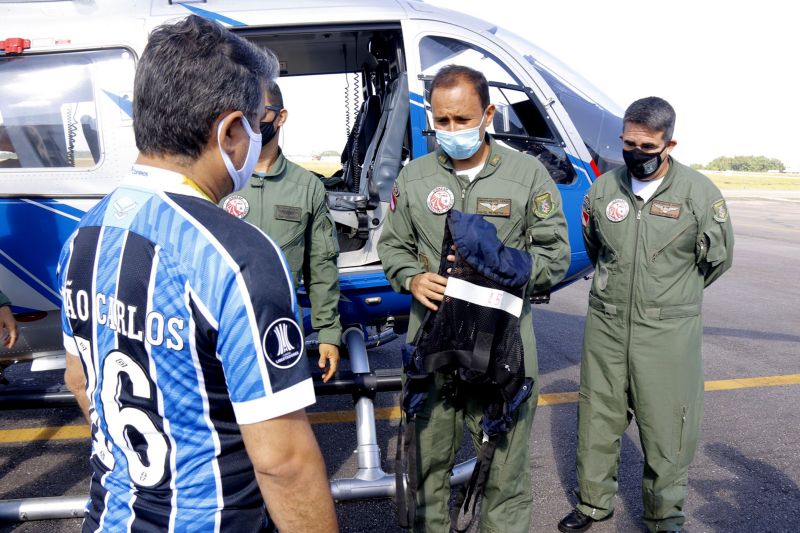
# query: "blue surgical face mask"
461 144
241 176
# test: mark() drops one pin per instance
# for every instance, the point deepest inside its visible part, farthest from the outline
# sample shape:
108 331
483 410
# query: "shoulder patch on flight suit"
543 205
285 212
720 210
665 209
236 205
586 211
440 200
617 209
497 207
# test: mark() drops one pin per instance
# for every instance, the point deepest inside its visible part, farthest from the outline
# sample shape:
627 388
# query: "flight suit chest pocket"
502 212
672 230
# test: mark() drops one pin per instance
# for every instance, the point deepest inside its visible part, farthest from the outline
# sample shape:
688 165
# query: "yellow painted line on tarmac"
752 383
555 398
46 433
9 436
333 417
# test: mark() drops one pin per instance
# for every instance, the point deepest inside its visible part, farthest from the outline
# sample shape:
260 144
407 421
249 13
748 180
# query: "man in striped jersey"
180 321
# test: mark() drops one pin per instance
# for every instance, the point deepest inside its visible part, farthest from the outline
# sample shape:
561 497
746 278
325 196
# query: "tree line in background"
743 163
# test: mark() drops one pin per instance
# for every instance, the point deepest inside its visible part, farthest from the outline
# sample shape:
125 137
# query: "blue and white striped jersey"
185 322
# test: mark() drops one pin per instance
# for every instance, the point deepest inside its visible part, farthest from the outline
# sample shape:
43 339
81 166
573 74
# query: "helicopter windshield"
597 117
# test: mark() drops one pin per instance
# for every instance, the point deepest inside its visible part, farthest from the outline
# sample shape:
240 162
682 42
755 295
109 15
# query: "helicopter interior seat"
381 165
385 154
353 154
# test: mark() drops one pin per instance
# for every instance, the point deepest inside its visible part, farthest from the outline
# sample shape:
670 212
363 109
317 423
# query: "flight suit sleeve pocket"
717 251
331 242
542 235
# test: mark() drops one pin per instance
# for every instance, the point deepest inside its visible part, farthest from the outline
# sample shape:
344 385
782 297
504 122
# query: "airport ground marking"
21 435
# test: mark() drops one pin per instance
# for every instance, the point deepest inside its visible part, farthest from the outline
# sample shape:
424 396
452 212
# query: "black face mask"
268 131
641 164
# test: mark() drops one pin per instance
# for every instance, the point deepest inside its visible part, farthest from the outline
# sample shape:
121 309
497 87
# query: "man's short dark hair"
189 74
451 75
274 94
653 112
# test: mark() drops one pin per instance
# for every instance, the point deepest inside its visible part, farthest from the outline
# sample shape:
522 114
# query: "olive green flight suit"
641 352
516 194
288 204
4 300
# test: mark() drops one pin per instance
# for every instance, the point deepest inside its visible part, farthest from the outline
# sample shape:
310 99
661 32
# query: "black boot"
576 522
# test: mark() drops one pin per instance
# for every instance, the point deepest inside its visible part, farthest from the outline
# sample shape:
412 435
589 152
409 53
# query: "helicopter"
66 140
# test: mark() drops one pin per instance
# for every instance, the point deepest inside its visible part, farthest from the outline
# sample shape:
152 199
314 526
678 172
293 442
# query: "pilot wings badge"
665 209
497 207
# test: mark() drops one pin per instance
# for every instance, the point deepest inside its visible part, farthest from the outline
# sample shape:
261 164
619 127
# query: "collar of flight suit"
275 171
493 160
666 182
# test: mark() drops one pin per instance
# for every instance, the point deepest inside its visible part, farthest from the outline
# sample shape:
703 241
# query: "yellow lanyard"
193 185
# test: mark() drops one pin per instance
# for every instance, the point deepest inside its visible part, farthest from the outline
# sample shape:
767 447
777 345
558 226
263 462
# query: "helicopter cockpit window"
48 107
597 117
519 122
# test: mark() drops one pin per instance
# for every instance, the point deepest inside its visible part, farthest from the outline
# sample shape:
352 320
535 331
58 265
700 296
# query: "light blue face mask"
242 175
461 144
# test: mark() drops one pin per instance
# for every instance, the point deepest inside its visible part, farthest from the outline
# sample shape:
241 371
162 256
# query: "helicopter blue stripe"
53 207
581 165
30 280
60 206
210 15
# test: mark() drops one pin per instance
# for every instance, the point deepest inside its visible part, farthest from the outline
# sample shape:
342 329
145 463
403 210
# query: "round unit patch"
617 210
283 343
236 205
440 200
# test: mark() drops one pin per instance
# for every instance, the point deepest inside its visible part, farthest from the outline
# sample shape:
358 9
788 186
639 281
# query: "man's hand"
329 353
8 323
427 288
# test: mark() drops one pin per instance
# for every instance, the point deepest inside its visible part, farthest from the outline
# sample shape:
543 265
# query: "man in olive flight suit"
657 232
472 173
288 203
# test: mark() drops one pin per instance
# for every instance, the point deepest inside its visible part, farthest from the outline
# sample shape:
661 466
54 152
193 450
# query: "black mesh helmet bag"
475 337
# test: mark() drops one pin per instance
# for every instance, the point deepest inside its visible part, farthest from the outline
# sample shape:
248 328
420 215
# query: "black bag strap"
405 473
469 496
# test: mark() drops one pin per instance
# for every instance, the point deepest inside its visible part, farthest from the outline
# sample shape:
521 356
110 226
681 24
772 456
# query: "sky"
730 69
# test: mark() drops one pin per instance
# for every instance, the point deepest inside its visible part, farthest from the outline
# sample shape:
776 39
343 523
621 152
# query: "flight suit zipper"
261 206
632 284
464 192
